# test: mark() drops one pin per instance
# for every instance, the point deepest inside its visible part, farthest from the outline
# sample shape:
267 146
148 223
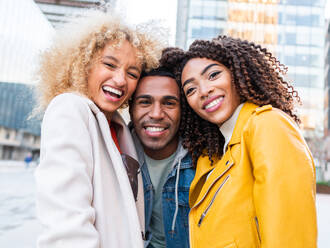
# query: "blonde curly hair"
64 67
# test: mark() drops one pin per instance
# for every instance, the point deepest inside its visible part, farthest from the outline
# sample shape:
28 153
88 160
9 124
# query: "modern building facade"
26 29
19 135
327 104
327 84
24 33
293 30
59 11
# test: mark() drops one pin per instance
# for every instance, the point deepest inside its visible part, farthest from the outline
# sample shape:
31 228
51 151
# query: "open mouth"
214 102
155 129
108 90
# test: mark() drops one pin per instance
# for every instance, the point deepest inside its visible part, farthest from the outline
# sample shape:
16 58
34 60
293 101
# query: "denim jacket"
175 197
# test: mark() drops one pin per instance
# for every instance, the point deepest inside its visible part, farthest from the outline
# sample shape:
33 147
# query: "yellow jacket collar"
247 110
204 164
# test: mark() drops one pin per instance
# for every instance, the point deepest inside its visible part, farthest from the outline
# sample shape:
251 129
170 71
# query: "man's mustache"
155 122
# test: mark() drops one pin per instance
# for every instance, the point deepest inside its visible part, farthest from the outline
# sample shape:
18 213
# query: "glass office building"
293 30
58 12
327 85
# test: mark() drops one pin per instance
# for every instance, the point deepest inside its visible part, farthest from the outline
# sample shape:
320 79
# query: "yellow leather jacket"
261 193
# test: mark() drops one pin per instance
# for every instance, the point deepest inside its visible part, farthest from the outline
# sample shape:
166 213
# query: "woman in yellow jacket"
255 176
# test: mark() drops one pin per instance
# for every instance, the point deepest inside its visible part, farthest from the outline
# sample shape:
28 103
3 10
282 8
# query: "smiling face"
113 77
155 114
208 87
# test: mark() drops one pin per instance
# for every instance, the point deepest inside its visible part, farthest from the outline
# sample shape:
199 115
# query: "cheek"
91 86
93 79
192 103
175 116
235 96
131 87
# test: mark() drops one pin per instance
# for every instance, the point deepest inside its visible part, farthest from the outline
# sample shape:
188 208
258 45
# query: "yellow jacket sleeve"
284 188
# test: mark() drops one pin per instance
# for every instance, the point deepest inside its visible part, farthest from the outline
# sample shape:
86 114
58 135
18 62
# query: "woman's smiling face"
209 90
114 76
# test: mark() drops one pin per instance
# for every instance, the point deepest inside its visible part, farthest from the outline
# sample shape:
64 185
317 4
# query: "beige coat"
84 198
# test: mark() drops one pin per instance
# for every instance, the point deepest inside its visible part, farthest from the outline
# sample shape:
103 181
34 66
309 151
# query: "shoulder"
270 116
68 105
69 100
270 121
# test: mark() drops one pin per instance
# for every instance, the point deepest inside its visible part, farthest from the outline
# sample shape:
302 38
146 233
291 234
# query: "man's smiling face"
155 114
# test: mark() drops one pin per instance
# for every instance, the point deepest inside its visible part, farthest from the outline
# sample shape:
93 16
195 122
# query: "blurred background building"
19 136
295 31
327 82
58 11
21 23
292 29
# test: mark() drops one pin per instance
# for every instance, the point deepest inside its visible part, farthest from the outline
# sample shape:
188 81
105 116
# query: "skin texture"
156 104
208 87
118 68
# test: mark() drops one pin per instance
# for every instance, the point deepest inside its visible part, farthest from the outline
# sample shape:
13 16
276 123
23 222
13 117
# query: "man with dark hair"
166 166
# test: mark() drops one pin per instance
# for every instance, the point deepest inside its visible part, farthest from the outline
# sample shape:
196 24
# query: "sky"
145 10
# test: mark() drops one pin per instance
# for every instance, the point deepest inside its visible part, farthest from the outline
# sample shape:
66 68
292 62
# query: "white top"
227 128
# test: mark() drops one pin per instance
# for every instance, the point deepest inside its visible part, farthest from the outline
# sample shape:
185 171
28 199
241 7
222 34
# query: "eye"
144 102
190 91
133 75
170 103
113 66
214 74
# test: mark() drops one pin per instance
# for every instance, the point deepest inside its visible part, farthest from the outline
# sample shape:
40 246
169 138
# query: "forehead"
198 64
157 86
122 50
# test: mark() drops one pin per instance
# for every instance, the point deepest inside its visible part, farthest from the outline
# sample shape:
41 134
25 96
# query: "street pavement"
19 227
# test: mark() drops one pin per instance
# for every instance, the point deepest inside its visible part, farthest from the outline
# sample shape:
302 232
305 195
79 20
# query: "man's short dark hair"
160 71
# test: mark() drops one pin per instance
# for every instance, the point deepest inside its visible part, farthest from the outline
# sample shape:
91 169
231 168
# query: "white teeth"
213 103
112 90
155 129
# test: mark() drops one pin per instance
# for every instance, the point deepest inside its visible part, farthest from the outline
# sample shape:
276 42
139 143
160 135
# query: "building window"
7 153
206 32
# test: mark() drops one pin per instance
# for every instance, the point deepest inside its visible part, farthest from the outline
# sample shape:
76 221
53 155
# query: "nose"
156 111
205 89
119 78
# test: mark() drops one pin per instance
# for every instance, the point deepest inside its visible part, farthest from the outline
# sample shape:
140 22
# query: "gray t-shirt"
158 171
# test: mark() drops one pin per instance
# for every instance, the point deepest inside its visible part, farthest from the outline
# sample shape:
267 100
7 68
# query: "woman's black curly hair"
256 75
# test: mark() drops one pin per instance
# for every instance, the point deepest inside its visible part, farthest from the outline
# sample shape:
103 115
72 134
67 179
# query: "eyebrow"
117 61
171 98
143 96
207 67
204 70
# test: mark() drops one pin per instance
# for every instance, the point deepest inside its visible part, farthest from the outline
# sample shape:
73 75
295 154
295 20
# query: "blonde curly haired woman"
85 195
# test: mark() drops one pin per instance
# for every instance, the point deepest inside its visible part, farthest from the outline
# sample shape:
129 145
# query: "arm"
64 177
284 188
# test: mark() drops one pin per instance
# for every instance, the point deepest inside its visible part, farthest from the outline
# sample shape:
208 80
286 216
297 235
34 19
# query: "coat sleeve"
284 188
64 177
